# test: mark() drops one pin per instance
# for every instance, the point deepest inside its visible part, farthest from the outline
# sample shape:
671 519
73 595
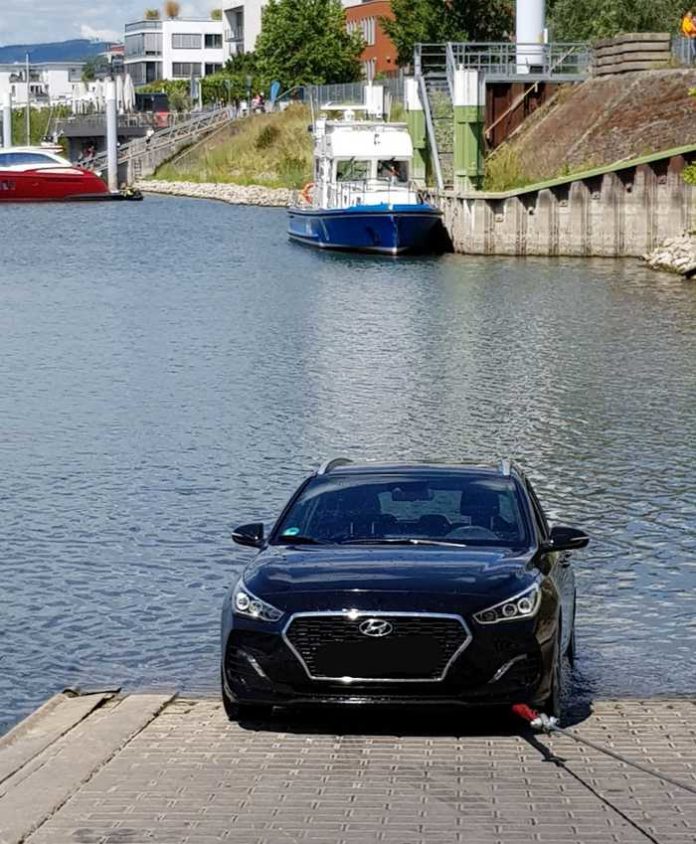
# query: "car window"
539 515
474 509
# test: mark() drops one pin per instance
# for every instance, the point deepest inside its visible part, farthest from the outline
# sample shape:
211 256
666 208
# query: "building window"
213 41
185 70
368 29
186 41
369 68
212 68
148 44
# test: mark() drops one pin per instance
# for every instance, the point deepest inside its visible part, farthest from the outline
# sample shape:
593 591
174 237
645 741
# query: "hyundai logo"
376 627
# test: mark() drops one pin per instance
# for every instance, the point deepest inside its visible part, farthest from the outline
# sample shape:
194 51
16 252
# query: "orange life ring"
306 191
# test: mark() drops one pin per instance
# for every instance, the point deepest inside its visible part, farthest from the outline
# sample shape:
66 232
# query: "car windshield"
462 509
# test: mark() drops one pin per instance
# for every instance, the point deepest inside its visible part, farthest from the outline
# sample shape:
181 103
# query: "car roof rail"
334 463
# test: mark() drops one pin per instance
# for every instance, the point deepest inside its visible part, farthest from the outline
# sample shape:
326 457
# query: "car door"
561 572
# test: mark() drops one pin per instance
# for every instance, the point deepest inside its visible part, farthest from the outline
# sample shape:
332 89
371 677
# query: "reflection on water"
173 368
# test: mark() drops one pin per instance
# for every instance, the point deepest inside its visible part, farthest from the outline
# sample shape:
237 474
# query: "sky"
38 21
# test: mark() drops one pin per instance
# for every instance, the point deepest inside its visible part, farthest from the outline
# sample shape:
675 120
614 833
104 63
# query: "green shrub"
689 174
268 135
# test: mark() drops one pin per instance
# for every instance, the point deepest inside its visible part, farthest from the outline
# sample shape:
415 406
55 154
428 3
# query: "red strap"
526 713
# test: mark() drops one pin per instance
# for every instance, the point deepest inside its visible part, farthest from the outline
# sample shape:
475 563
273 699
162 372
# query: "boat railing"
368 192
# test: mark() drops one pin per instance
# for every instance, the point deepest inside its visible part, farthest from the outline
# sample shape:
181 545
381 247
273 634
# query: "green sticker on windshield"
291 532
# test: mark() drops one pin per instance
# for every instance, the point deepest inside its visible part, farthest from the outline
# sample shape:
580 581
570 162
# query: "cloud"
99 34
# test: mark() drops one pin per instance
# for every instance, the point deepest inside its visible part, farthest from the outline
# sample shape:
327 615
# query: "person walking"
688 30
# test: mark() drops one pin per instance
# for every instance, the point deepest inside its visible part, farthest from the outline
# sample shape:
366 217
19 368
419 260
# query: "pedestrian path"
153 768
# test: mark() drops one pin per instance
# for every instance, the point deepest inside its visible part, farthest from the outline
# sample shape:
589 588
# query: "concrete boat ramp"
107 769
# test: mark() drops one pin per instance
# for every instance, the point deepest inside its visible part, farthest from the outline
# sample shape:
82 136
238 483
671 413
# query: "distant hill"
79 49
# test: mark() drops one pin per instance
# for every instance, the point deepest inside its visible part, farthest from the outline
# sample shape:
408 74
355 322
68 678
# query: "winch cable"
541 721
550 756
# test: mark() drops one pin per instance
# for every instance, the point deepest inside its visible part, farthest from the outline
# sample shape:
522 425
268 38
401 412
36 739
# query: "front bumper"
508 665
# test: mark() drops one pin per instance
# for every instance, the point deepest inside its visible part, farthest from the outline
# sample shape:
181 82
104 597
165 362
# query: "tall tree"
580 20
436 21
306 42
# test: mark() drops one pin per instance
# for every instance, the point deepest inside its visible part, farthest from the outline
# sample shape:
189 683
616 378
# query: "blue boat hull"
390 230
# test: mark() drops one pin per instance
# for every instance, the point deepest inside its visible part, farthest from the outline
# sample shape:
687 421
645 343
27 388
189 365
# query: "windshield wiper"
299 540
404 541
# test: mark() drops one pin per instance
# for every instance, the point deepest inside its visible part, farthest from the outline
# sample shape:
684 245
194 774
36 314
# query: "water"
172 368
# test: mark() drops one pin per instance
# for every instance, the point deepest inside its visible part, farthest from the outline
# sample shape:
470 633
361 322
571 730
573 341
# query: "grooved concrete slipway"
99 769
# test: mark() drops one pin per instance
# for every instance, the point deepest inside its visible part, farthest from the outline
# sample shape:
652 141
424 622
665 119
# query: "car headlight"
523 605
246 604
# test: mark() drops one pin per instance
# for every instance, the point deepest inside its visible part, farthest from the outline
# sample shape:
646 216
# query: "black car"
402 585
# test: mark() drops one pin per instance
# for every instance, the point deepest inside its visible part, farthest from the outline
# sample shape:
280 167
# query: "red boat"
39 174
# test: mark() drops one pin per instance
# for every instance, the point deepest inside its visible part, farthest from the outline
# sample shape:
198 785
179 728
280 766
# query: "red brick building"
379 55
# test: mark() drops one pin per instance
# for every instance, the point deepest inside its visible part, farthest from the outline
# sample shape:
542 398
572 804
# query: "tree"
305 42
172 9
152 14
95 66
216 14
436 21
580 20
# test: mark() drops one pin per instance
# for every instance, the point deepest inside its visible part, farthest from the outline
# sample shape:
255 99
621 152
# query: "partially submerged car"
402 584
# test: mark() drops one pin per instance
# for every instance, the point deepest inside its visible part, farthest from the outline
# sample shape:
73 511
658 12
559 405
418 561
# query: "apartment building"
242 25
176 48
379 55
49 82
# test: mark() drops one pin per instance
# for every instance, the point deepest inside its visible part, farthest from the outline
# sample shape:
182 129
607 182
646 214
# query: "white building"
50 83
242 24
176 48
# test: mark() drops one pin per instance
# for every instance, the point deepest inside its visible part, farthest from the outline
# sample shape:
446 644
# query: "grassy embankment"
271 150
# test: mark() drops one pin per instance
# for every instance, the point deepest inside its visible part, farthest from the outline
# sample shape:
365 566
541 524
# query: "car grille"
417 648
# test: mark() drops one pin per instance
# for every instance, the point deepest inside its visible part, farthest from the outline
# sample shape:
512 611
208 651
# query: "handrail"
451 68
430 126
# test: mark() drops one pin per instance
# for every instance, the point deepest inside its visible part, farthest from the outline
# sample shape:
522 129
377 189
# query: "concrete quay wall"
624 210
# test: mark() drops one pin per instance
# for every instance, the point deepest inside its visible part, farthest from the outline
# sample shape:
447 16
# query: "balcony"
139 26
234 35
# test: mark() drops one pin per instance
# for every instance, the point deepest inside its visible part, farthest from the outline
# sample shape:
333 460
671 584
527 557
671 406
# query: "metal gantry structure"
436 67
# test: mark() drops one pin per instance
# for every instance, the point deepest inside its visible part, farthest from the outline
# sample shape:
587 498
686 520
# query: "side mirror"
251 535
567 539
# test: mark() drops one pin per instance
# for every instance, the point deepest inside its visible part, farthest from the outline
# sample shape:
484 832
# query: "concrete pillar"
112 135
469 115
530 23
7 120
374 101
415 120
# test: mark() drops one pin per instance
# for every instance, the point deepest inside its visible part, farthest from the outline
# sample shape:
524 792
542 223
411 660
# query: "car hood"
314 577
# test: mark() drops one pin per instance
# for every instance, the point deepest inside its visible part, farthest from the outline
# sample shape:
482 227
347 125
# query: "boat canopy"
363 141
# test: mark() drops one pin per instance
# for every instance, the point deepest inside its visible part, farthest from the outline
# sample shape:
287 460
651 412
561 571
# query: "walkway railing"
507 60
166 142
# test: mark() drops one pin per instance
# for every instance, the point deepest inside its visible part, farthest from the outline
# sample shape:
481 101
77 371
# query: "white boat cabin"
362 162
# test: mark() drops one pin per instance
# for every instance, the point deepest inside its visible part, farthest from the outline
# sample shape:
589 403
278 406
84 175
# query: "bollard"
469 105
7 120
415 120
112 135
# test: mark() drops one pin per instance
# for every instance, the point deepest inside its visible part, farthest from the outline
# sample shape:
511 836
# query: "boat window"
352 170
12 159
392 170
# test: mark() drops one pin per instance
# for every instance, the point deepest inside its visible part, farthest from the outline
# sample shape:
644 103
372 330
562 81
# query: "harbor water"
171 368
